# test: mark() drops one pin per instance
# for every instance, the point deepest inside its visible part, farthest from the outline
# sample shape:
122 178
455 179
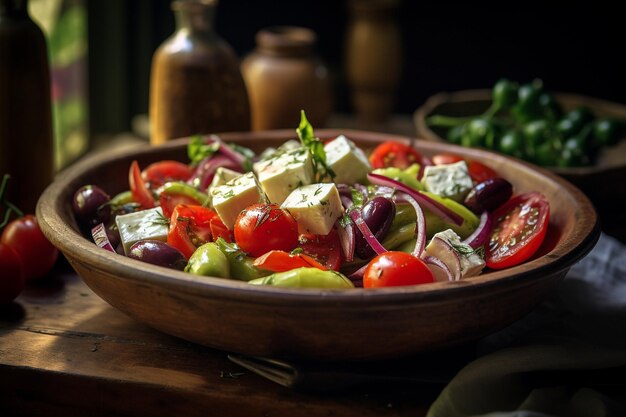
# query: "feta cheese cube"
287 146
285 172
316 207
142 225
230 199
349 162
450 180
222 176
472 263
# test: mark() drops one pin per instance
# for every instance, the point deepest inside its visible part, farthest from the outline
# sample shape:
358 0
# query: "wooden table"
64 351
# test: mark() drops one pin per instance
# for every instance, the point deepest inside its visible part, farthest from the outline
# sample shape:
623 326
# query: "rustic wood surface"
64 351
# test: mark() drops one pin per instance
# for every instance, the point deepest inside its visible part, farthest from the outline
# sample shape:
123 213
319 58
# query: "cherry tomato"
280 261
446 158
393 269
480 172
12 277
394 154
520 227
325 249
190 228
261 228
138 187
38 255
158 173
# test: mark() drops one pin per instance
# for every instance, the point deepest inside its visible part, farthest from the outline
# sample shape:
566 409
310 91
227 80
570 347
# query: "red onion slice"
228 152
99 235
347 240
357 276
480 235
436 207
420 226
426 162
440 270
441 249
371 240
204 173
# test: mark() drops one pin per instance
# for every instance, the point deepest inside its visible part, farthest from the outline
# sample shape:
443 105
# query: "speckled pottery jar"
196 86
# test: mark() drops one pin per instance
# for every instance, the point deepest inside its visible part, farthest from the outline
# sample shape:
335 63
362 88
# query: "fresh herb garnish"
198 149
160 219
467 250
316 147
357 198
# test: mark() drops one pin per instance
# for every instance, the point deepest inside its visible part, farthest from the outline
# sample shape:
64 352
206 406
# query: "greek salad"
317 214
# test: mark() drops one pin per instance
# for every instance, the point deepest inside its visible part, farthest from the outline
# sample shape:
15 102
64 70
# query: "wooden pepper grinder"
26 139
373 58
196 86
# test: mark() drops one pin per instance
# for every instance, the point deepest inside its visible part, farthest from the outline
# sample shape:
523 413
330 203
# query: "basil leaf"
316 147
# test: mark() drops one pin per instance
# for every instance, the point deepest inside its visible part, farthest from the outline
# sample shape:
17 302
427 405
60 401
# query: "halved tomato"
158 173
446 158
190 228
140 192
520 226
480 172
170 201
219 229
326 249
477 170
394 154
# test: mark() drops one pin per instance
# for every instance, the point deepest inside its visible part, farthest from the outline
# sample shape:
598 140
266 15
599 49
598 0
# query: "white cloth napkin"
566 358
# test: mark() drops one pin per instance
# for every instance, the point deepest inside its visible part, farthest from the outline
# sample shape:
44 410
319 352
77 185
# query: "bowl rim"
426 109
69 240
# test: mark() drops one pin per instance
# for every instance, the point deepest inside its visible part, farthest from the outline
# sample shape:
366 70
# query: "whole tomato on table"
25 253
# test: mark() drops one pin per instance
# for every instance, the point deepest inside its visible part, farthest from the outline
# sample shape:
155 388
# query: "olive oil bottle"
26 139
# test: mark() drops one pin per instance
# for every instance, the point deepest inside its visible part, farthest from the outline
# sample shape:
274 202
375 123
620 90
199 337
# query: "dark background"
576 47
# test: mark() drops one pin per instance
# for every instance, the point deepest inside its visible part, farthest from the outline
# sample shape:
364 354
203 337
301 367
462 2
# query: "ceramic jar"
283 76
374 55
196 86
26 139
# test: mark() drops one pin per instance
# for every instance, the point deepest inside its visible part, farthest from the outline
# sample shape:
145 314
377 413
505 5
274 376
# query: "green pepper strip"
186 189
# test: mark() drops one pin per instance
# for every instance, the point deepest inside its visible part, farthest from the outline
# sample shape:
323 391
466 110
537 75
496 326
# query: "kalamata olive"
378 214
488 195
158 253
89 206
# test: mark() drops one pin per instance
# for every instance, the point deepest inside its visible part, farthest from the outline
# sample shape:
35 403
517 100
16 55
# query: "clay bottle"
26 139
283 76
196 86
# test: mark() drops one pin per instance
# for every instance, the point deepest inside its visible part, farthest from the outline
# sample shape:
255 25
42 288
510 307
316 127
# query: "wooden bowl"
359 324
592 180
